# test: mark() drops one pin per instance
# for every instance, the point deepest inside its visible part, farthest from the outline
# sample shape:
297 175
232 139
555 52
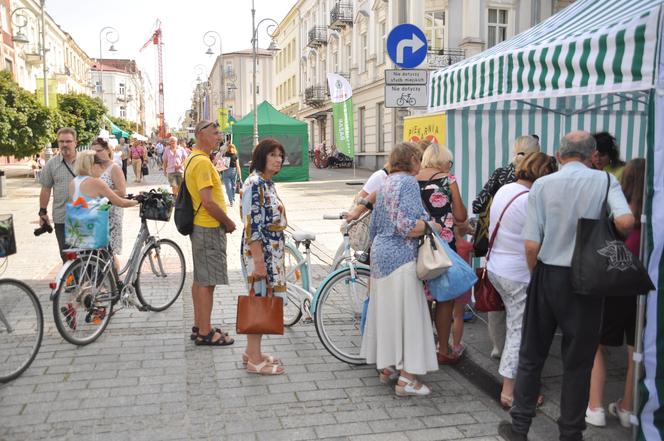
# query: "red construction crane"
156 40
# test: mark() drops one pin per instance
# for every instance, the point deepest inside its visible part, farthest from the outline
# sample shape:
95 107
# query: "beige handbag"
432 260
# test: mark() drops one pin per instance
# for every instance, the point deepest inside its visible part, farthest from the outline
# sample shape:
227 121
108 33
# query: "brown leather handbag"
487 298
260 314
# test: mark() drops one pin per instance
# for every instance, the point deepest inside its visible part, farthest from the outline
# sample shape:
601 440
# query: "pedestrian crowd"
527 221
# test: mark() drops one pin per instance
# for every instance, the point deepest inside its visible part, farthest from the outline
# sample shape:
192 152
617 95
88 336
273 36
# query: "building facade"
126 92
237 84
349 38
7 53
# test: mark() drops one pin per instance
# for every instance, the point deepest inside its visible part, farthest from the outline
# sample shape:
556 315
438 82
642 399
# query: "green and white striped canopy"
592 46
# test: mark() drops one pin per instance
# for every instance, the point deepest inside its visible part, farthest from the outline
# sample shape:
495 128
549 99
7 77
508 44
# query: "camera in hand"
46 228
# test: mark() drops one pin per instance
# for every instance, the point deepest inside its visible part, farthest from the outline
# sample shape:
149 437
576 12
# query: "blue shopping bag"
458 279
363 317
86 225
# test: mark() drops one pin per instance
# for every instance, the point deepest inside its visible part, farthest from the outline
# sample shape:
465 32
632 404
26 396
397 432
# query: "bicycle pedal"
143 308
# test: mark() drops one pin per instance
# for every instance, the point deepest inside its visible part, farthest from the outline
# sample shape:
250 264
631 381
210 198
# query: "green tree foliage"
26 126
83 113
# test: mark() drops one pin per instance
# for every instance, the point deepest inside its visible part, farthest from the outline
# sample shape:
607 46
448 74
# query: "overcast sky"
183 26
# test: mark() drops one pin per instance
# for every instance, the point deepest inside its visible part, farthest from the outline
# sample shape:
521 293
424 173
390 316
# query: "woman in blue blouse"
398 334
264 218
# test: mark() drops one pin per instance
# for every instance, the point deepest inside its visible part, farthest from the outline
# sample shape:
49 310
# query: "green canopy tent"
293 134
116 131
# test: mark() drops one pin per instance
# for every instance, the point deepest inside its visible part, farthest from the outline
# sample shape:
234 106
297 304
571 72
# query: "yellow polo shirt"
202 174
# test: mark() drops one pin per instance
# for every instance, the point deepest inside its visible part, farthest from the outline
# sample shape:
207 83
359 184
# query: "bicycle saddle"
301 236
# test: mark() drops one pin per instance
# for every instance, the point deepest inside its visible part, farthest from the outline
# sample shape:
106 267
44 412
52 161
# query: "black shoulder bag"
184 213
601 264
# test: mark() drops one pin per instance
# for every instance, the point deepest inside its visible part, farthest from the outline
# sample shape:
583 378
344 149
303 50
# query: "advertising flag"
341 95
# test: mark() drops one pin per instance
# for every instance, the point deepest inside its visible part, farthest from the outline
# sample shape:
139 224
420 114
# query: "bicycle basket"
7 235
358 233
157 206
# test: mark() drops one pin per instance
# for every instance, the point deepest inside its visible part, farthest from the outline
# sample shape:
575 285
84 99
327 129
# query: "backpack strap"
184 175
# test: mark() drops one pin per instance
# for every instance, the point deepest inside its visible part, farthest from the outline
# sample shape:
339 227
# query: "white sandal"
269 358
258 368
411 389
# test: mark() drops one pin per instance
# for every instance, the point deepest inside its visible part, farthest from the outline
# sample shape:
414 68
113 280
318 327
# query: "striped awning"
592 46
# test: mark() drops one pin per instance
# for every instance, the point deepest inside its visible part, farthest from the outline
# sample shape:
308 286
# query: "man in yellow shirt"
208 238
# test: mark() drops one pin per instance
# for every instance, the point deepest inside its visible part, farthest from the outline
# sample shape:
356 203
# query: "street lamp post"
21 38
111 36
212 37
254 45
199 70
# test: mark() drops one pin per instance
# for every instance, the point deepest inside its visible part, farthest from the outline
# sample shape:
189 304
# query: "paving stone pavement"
144 378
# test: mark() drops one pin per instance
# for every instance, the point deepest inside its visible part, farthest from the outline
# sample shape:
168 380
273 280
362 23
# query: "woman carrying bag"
264 218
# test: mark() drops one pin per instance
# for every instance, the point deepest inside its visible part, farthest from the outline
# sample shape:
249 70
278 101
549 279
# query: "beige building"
349 38
67 65
238 83
7 61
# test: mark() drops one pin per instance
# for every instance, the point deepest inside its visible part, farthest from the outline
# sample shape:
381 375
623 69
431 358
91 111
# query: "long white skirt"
398 328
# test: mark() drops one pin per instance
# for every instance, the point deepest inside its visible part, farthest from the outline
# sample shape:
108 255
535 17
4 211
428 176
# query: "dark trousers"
60 235
552 304
124 168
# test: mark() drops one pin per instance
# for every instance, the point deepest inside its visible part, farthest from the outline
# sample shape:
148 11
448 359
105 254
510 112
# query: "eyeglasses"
451 164
213 124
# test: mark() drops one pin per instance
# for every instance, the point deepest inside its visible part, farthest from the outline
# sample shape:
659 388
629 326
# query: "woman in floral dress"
264 218
442 199
398 334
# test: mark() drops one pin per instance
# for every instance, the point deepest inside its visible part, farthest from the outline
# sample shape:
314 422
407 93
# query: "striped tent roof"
592 46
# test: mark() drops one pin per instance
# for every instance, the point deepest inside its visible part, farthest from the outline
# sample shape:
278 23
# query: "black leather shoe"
505 430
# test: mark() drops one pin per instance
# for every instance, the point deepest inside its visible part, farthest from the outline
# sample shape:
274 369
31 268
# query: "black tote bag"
601 264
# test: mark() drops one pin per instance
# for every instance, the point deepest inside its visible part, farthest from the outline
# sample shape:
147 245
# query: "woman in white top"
507 268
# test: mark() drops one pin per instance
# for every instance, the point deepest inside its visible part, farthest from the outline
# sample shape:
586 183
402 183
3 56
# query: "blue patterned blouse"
397 210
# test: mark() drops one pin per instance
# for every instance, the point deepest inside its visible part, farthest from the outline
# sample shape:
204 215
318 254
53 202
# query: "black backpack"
184 207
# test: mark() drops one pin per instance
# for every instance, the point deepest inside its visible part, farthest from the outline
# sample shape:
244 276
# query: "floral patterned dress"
114 216
264 218
437 198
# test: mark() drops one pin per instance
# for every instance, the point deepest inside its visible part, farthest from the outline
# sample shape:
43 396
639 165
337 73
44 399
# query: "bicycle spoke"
161 275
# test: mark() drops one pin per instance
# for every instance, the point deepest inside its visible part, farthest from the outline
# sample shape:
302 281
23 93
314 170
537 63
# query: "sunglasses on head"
213 124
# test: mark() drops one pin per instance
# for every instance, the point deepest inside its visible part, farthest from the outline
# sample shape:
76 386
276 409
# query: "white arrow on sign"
414 43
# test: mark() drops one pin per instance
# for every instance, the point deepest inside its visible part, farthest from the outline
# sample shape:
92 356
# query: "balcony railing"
315 96
341 15
317 36
437 59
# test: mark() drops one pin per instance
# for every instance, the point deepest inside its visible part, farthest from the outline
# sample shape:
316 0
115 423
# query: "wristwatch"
42 212
366 203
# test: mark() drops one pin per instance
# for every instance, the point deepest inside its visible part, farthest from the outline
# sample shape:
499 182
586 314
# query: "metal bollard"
3 184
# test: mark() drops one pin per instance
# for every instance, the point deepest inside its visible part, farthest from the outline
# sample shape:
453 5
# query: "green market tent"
597 65
290 132
116 131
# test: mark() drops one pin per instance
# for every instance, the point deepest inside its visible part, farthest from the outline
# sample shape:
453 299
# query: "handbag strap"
495 230
252 292
605 205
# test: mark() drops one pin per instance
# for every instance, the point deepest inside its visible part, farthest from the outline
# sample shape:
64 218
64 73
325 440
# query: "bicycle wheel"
296 276
21 328
339 304
161 275
83 305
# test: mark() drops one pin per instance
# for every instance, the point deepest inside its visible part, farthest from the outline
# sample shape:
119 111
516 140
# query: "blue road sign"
407 45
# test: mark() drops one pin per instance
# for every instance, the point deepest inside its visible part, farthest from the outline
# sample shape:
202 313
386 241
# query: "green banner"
342 114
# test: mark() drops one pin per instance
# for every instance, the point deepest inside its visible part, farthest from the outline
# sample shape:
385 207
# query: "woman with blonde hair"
88 185
507 269
398 336
442 200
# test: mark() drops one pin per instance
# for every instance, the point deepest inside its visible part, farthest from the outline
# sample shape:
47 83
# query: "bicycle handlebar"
341 215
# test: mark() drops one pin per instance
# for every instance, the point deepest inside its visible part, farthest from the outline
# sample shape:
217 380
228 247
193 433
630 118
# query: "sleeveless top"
77 190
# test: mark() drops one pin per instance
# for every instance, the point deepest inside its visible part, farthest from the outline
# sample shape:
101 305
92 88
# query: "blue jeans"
229 176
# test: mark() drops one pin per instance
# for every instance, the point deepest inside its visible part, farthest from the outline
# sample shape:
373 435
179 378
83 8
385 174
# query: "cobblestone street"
145 379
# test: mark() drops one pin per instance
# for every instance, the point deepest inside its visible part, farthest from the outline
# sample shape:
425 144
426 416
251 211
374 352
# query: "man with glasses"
57 174
208 238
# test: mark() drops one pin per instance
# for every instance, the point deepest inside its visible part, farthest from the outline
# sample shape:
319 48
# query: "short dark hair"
67 131
264 148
